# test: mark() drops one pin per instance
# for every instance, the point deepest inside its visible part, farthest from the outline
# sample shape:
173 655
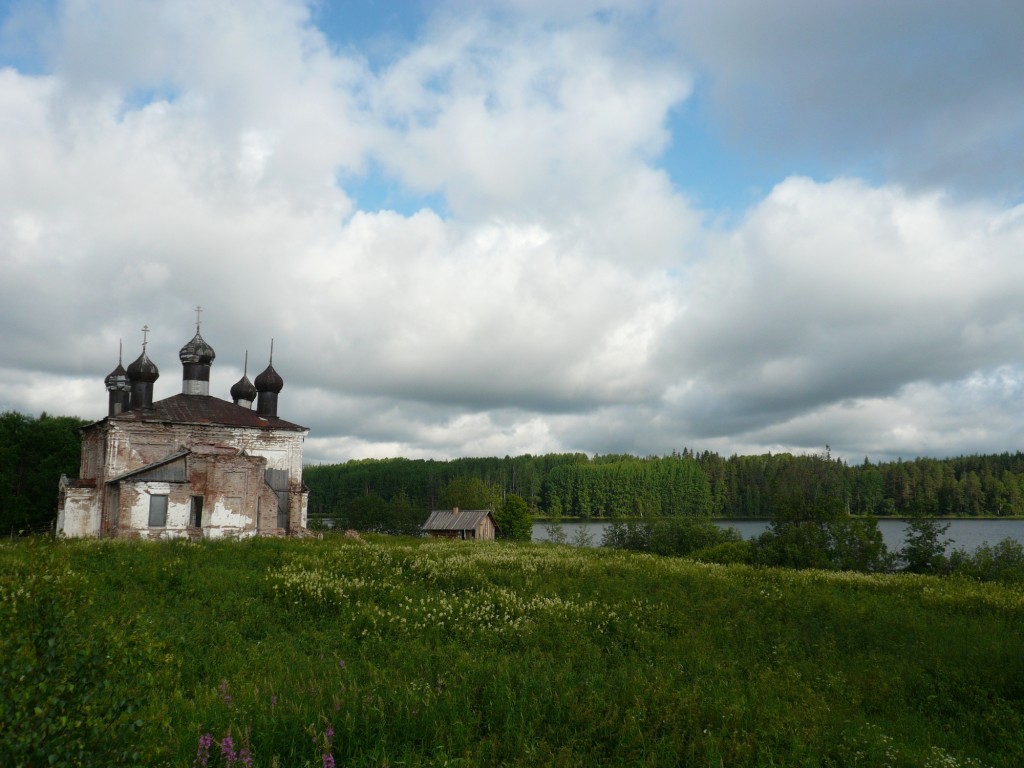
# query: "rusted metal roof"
455 519
205 409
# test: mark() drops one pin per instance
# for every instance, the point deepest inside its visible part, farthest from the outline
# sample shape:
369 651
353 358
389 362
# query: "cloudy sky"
489 228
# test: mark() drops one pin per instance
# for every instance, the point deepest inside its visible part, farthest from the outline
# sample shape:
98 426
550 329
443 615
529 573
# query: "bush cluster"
70 693
670 536
836 544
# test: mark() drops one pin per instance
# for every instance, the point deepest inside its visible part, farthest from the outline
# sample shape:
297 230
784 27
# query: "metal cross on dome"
199 309
145 334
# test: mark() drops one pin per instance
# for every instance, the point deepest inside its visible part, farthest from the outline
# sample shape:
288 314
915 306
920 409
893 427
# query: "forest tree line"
35 451
769 486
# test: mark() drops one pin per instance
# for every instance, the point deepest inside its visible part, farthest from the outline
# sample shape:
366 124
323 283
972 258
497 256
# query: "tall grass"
406 652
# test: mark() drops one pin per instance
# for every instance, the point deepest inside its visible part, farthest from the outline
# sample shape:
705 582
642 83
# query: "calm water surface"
964 534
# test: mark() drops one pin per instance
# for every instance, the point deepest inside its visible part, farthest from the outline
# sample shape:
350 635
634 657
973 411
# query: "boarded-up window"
278 480
196 512
157 511
171 472
113 507
282 509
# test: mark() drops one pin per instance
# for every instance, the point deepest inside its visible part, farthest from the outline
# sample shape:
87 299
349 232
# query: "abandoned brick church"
191 465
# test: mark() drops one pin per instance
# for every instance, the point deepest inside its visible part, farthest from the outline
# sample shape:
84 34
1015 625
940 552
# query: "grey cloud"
925 93
574 300
836 291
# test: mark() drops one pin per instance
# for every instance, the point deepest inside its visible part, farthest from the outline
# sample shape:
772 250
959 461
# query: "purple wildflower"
329 734
273 700
225 692
341 663
203 751
227 751
245 758
328 760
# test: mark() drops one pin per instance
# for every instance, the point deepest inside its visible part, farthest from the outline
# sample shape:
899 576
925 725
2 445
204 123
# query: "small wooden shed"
455 523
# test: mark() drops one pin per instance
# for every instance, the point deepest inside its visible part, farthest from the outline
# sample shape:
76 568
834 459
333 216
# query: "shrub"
68 696
513 519
668 535
582 537
399 515
924 548
555 530
725 553
794 545
633 535
850 544
857 545
1002 562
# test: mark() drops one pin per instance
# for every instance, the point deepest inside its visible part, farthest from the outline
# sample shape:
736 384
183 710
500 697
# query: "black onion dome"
197 351
143 369
269 381
244 389
117 376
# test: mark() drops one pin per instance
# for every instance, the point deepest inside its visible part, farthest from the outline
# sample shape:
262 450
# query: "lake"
965 534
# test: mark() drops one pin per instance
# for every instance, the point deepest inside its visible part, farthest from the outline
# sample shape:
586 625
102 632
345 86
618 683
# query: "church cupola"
268 386
244 392
141 375
119 389
196 358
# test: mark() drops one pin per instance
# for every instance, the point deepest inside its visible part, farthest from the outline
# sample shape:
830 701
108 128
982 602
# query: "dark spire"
142 372
196 357
118 386
197 351
244 391
269 385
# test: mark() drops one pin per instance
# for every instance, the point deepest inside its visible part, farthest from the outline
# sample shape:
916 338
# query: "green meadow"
404 652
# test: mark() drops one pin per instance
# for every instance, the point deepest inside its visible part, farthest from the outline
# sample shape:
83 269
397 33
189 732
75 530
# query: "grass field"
407 652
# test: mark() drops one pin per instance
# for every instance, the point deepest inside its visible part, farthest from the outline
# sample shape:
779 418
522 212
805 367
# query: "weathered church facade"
188 466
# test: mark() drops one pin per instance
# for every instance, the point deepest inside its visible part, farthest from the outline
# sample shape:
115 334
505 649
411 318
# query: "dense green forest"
34 452
688 483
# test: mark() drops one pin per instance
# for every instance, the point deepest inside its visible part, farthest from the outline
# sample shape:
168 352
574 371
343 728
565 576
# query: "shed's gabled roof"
205 409
455 520
150 467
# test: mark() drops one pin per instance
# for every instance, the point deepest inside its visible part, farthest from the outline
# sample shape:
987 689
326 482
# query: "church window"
157 511
196 512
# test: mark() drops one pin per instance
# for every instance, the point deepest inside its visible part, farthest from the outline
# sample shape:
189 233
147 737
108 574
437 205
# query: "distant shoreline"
546 519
